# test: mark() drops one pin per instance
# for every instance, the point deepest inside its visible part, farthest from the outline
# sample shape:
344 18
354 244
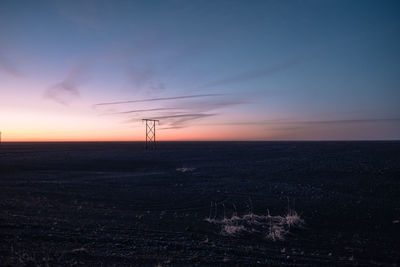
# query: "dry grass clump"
271 227
293 219
232 229
184 169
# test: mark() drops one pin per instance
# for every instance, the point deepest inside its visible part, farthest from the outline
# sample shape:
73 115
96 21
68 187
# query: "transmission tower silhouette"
151 133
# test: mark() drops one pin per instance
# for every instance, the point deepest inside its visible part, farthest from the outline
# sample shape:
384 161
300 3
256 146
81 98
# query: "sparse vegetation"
271 227
184 169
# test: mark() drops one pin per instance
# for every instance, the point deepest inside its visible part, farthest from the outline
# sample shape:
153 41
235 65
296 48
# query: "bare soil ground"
115 203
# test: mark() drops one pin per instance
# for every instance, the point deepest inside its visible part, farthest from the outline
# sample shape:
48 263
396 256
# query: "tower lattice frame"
151 143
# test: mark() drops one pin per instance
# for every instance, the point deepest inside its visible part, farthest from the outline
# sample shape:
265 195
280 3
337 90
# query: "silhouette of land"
116 203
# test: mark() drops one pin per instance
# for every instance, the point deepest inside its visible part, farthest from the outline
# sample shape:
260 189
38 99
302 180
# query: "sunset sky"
208 70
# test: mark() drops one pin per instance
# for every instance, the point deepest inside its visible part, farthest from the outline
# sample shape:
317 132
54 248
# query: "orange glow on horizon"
136 134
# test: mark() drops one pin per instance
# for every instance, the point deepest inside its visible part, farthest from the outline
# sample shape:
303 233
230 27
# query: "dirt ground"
115 203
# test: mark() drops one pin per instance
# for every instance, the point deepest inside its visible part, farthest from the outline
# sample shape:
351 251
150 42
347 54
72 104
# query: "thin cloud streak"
352 121
198 115
171 128
187 106
210 104
246 76
157 99
180 114
139 111
316 122
181 120
175 121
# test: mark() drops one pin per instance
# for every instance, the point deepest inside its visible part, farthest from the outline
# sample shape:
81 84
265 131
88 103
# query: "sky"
91 70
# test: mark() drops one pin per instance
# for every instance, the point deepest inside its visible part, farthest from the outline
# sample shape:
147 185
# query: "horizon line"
215 140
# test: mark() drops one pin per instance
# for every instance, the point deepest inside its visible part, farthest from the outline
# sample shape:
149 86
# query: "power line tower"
150 133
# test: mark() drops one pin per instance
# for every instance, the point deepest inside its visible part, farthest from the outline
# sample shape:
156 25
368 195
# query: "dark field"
115 203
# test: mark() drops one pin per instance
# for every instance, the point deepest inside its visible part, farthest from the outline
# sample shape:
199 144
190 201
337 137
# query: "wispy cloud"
309 122
190 116
250 75
174 120
145 79
205 105
8 67
156 99
177 111
67 90
179 121
139 111
198 106
367 120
